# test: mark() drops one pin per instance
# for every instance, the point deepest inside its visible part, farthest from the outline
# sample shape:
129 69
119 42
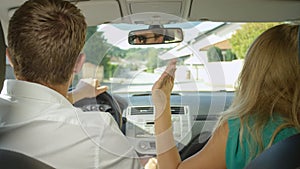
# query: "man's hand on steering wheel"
86 88
89 96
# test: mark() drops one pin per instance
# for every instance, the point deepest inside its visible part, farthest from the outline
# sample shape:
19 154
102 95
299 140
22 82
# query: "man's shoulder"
4 100
76 116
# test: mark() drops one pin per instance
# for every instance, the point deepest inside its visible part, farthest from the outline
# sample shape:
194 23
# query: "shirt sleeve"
115 151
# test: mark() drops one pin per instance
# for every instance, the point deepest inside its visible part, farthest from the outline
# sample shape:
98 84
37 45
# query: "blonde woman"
265 109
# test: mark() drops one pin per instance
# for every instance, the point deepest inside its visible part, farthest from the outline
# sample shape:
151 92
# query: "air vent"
149 110
178 110
149 94
142 94
142 110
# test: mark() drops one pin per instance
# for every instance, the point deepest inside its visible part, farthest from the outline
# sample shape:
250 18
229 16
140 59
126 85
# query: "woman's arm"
211 156
167 153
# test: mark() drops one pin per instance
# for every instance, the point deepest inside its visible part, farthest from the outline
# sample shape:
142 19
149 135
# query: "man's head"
45 38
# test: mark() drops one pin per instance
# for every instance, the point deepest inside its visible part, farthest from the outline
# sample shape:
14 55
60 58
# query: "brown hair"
45 38
269 83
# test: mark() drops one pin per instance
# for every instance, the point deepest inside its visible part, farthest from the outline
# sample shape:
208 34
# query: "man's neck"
60 88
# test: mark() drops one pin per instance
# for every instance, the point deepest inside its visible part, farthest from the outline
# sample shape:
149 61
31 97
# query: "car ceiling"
105 11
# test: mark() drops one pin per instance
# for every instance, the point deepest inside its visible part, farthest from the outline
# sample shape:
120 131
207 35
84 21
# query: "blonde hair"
269 83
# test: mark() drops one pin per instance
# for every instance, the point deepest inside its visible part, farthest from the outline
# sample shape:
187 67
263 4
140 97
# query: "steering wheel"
103 102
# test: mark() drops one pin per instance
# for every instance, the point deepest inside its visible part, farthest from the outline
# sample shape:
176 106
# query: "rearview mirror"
155 36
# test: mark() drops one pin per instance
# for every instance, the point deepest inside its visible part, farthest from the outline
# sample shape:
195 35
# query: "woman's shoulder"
285 133
234 123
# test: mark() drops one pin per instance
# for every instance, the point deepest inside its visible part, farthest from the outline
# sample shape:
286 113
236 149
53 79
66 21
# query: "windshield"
210 57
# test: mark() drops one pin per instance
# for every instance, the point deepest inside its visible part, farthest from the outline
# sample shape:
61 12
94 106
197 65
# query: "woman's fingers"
171 68
167 76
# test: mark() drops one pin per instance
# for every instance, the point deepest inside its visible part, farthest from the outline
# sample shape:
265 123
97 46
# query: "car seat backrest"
14 160
284 155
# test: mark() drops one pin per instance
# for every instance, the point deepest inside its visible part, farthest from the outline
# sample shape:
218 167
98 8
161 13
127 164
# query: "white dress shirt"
39 122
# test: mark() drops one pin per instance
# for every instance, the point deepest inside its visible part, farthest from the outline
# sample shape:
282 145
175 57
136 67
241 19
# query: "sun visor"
171 7
95 12
98 12
178 8
245 10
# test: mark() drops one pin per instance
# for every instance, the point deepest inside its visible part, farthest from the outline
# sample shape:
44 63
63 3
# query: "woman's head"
269 83
270 76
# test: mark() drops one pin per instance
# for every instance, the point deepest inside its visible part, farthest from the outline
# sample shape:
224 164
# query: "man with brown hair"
45 38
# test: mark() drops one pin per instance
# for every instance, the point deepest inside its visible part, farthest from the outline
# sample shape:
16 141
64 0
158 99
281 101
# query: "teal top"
237 155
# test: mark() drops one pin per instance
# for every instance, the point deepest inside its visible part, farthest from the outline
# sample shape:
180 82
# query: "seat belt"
2 57
282 155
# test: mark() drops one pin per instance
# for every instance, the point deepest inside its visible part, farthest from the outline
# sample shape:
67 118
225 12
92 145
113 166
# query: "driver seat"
14 160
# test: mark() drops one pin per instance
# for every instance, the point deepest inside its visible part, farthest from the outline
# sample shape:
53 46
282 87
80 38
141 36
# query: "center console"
140 127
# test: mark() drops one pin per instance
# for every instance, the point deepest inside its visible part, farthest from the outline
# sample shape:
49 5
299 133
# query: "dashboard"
194 115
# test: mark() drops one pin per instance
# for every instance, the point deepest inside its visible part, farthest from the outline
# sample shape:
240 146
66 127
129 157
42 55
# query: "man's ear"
9 58
79 63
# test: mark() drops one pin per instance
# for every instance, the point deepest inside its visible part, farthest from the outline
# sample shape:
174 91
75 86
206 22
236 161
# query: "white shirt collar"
24 89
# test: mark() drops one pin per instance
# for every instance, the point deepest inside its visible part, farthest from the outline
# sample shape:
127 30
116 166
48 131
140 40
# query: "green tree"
145 56
90 31
152 59
110 69
214 54
96 48
99 52
116 51
229 55
245 36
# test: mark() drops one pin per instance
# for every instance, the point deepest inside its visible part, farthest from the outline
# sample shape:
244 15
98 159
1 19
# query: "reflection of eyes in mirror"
155 36
140 39
148 38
